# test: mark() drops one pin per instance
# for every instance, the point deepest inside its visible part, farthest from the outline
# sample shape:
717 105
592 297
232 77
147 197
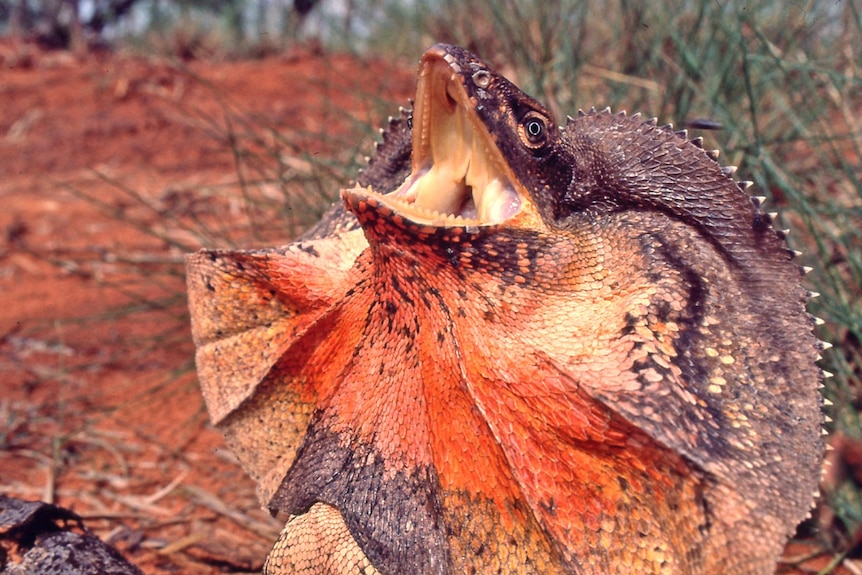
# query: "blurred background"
133 132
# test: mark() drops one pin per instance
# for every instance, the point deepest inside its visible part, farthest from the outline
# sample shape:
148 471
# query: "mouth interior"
458 177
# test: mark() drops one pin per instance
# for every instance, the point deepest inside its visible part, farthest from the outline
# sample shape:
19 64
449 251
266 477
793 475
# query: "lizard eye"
533 131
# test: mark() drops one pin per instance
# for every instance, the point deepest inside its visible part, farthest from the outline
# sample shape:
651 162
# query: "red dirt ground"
100 409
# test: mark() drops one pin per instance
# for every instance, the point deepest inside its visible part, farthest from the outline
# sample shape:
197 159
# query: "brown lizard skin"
517 347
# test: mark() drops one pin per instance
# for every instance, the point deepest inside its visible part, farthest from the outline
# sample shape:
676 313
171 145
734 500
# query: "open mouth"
458 178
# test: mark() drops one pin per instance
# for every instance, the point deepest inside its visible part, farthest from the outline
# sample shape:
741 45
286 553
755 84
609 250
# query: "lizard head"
476 140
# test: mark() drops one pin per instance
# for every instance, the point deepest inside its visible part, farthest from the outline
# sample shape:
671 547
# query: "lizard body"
520 348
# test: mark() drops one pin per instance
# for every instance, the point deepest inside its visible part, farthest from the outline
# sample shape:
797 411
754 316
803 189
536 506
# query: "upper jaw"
459 178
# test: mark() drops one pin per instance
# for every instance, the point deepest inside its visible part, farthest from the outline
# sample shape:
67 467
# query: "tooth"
498 202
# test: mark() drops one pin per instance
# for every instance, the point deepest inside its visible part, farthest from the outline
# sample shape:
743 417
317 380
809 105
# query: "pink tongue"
498 203
439 190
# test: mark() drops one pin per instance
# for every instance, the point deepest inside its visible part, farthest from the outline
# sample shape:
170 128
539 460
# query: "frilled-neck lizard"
520 348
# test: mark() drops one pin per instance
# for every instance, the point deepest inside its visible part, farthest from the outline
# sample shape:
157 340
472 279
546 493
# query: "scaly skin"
603 366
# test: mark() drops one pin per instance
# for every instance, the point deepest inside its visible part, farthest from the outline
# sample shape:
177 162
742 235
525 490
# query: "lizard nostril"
482 78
